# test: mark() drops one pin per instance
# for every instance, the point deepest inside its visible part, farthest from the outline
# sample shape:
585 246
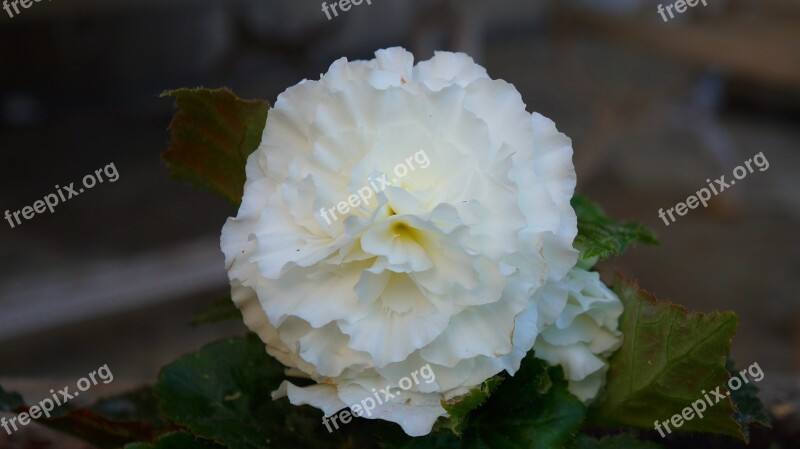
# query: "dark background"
654 109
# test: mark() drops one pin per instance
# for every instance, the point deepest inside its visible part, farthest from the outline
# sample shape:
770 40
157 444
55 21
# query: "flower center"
400 242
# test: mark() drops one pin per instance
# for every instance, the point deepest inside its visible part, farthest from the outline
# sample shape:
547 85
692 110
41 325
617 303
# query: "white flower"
585 333
440 268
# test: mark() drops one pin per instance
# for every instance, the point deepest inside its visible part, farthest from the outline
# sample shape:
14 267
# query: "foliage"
213 133
600 236
668 358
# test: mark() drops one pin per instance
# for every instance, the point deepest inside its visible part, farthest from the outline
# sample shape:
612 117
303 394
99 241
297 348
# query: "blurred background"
654 109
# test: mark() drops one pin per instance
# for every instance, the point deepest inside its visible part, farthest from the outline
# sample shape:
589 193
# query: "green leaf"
223 393
222 309
600 236
219 392
532 410
749 409
176 440
668 358
213 133
623 441
458 408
